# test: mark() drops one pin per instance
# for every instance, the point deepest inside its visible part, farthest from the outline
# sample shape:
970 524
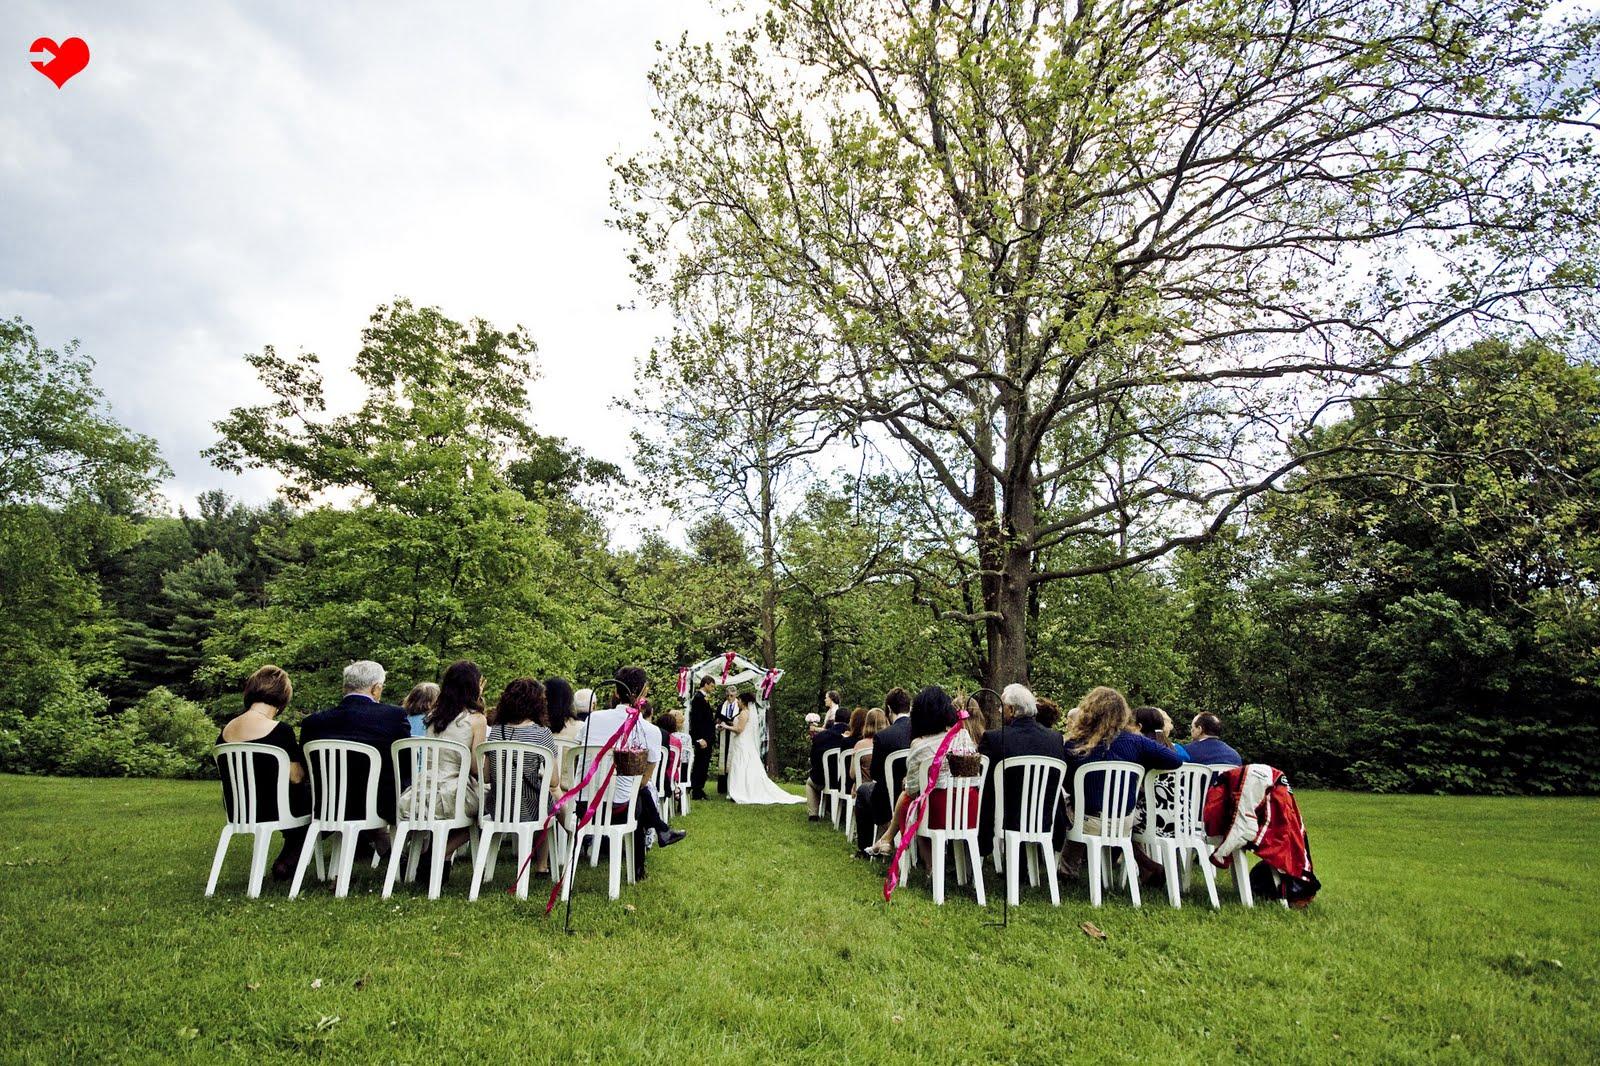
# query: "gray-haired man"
362 717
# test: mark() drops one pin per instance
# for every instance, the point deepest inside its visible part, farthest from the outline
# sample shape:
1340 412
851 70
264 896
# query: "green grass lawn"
1448 928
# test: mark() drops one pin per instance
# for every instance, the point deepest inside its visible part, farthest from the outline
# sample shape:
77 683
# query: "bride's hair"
747 698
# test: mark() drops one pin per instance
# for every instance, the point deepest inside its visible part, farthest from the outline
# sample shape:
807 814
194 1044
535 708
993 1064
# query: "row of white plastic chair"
1174 801
435 765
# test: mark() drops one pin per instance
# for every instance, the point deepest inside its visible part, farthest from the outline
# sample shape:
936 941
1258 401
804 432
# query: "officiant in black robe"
703 733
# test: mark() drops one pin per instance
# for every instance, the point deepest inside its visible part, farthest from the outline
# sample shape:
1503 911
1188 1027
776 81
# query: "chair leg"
397 858
347 864
524 861
1169 863
1241 880
216 862
1095 887
1208 872
313 844
436 857
1013 848
258 863
975 860
961 861
614 869
1131 869
936 869
1052 875
483 862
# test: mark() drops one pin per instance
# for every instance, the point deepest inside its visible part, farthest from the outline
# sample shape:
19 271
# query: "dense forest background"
1423 621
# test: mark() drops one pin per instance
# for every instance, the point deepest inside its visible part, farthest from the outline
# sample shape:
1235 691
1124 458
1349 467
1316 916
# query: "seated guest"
457 715
932 715
583 703
1154 723
600 726
361 717
680 746
1105 730
266 694
875 802
829 739
558 697
522 714
1020 733
1049 714
418 702
1206 744
975 722
852 740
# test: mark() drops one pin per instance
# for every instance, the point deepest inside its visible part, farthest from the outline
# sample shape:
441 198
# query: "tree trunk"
825 646
769 609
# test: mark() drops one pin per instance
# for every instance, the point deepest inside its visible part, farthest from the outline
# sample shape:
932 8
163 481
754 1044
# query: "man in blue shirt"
1206 745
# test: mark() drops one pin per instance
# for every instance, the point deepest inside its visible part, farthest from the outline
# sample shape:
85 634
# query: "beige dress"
448 774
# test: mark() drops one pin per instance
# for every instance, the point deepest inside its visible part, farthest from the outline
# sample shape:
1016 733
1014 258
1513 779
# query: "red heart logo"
70 56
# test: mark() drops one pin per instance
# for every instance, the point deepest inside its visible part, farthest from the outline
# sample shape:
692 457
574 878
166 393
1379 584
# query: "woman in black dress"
266 694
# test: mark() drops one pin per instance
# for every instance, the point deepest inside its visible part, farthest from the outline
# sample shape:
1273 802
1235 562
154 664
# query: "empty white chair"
661 782
1037 782
613 822
853 779
1117 787
683 781
507 766
439 781
1174 825
238 765
833 785
951 817
344 803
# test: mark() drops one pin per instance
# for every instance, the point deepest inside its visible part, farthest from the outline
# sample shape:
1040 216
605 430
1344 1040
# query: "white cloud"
224 177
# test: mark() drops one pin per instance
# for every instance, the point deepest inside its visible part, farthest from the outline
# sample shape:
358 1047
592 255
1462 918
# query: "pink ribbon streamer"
768 682
624 730
683 682
918 807
727 665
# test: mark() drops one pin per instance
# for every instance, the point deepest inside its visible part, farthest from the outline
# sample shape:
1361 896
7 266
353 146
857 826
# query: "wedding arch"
732 668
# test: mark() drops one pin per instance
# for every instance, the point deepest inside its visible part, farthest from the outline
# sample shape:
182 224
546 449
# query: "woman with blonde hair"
1105 730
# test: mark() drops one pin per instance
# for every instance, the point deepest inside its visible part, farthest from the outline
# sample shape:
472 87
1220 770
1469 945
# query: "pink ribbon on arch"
919 806
727 665
623 731
767 682
683 682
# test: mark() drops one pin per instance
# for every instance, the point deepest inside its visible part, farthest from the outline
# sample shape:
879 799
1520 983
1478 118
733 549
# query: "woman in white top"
932 715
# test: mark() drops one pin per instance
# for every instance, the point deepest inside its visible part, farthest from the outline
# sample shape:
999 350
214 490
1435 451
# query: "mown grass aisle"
760 938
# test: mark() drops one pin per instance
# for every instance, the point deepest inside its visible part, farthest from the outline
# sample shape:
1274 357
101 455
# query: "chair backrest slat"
894 772
506 766
1175 800
1038 784
857 771
236 762
333 767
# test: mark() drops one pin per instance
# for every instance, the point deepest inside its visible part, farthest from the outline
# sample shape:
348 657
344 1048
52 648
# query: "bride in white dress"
747 777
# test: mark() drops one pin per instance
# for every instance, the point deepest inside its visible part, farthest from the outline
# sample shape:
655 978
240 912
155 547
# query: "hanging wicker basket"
963 764
631 762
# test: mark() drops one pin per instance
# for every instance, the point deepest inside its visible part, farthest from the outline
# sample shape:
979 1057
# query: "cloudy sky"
226 176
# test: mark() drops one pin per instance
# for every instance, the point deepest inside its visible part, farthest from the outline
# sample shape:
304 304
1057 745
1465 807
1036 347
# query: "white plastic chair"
614 827
331 764
833 785
958 807
1041 778
1240 866
852 782
894 776
505 763
430 757
238 765
1184 810
662 783
1118 788
683 784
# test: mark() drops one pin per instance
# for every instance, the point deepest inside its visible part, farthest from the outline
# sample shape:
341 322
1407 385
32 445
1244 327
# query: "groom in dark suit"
703 732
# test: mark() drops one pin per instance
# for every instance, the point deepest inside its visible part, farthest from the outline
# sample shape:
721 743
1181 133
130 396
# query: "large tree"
1093 267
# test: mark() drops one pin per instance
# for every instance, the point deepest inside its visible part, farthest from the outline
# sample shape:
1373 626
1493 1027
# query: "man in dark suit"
703 732
876 797
362 717
1019 734
829 739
